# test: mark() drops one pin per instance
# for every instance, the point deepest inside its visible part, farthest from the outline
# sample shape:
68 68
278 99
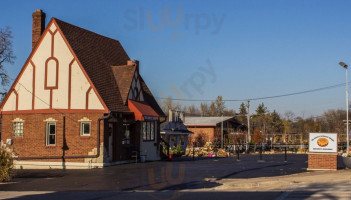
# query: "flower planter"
347 162
176 155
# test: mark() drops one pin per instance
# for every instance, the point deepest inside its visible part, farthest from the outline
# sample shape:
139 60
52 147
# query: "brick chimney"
134 63
38 26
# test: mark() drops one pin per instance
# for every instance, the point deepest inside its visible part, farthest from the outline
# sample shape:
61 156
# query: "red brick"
33 142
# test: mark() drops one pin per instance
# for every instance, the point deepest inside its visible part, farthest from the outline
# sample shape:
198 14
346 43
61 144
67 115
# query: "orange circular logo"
322 142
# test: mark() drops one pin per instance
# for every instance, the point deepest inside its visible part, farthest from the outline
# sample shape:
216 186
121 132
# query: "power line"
261 98
57 110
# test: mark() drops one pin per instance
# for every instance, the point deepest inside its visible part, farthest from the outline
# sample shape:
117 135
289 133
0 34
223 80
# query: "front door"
124 141
116 142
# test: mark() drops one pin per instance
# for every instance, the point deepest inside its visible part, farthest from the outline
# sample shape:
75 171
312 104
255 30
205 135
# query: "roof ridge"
97 53
61 21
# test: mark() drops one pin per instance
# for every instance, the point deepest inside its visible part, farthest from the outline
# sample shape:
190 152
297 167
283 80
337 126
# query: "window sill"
85 136
51 146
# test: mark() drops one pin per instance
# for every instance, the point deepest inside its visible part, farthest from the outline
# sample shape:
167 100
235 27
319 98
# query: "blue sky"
202 49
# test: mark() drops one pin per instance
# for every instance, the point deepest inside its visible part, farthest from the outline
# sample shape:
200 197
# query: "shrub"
201 139
176 150
6 162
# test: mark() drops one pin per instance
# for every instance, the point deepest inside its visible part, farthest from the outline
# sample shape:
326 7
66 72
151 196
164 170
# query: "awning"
142 111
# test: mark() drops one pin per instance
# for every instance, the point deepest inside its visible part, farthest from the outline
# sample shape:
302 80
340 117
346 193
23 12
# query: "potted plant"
176 151
346 160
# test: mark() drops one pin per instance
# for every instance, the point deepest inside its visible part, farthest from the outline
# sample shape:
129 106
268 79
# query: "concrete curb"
287 181
260 184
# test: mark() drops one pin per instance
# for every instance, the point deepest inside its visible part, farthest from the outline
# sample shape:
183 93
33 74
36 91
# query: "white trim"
48 123
18 120
84 119
81 130
313 169
50 119
14 126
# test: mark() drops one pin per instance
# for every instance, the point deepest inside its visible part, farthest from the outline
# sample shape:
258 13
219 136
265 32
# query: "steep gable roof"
149 98
97 54
124 76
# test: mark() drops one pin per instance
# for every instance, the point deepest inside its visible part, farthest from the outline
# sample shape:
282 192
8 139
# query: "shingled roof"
104 60
97 54
148 97
124 76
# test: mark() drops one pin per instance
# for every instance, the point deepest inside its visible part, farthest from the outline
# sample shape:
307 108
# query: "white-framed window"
50 133
152 131
84 127
17 127
126 134
143 130
149 130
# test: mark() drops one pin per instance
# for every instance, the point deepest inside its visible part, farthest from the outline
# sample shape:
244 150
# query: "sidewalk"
305 178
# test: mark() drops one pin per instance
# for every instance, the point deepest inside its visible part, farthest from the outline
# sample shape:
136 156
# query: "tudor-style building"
79 101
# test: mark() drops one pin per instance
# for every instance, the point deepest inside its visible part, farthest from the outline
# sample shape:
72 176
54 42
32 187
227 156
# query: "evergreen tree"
261 109
242 113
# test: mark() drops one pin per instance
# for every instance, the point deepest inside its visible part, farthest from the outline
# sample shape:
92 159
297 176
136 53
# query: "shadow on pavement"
315 191
174 195
158 176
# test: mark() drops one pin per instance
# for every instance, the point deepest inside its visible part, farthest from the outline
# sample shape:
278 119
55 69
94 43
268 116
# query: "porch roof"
142 111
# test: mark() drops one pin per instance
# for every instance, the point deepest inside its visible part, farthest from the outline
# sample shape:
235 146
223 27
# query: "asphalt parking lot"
162 175
165 178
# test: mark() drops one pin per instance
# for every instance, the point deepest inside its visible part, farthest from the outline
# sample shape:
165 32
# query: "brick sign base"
322 161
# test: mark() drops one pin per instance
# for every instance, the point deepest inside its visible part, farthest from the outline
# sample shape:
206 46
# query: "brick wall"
208 131
322 161
33 142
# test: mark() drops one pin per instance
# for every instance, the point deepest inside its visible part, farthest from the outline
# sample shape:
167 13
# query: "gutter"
78 156
164 119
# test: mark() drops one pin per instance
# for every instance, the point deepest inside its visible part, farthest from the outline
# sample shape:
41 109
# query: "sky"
197 49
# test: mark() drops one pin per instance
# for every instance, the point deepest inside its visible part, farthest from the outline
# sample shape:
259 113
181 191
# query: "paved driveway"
165 179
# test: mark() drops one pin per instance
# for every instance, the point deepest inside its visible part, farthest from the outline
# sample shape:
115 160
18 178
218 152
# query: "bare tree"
204 109
6 52
168 104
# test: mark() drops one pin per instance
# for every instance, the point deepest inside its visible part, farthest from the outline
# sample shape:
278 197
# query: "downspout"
80 156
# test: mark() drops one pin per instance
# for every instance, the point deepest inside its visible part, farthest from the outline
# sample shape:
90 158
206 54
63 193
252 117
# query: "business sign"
323 142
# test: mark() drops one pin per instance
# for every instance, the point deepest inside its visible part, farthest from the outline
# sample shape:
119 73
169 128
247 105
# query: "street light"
342 64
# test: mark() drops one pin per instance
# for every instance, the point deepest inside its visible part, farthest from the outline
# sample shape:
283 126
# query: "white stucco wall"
149 149
42 100
63 54
24 88
79 84
94 102
10 103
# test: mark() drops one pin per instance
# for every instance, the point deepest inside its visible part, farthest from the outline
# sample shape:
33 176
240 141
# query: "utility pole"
248 138
222 133
347 107
347 113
